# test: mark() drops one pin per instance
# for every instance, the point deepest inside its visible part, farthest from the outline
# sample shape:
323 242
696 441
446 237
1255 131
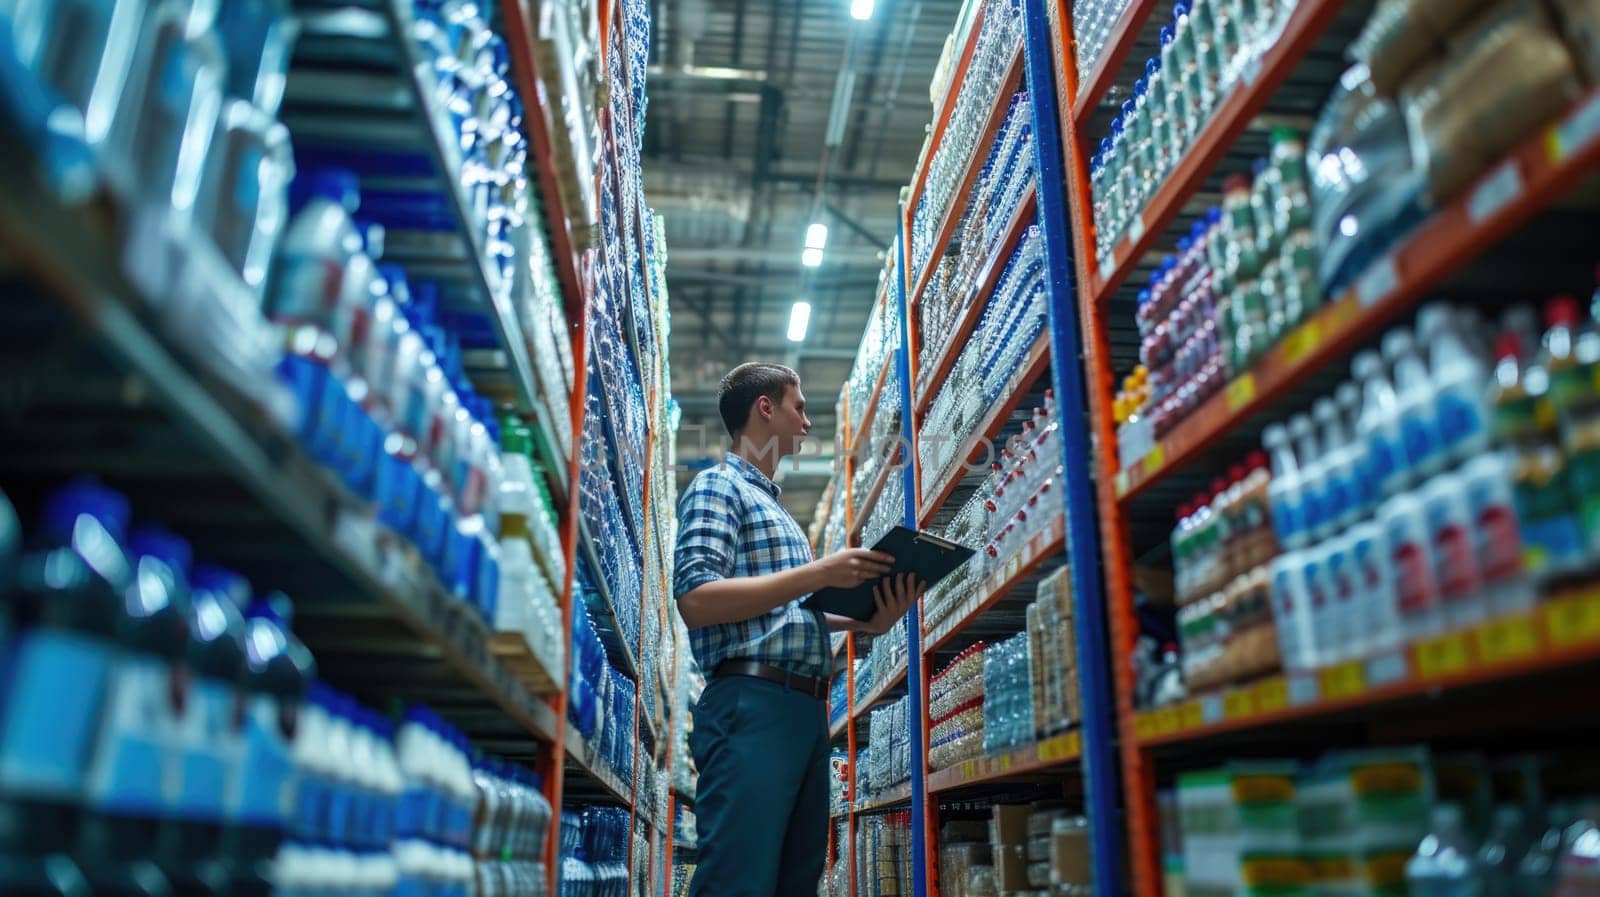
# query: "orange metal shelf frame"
1232 115
1543 168
980 150
982 289
1561 633
1033 367
1029 760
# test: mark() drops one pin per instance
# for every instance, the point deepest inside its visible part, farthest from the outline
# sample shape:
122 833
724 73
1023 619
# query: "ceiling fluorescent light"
799 320
861 10
817 236
811 258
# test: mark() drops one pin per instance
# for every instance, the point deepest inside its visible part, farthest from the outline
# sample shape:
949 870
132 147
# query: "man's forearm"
837 623
745 597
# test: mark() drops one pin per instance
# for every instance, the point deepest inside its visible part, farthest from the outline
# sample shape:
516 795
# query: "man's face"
790 426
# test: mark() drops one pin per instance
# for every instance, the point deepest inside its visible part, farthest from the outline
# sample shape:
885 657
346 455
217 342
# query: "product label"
264 792
1383 462
206 731
1285 518
1415 590
1498 543
128 773
1418 438
54 687
1454 562
1460 418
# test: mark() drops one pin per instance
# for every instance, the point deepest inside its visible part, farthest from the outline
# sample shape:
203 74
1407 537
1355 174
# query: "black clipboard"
929 557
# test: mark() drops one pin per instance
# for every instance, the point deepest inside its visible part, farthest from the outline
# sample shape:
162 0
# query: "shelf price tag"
1272 695
1191 715
969 769
1005 762
1387 668
1144 725
1301 341
1167 721
1503 641
1443 656
1495 192
1121 481
1238 704
1346 680
1211 709
1241 390
1572 621
1379 281
1136 228
1577 130
1303 689
1054 750
1153 459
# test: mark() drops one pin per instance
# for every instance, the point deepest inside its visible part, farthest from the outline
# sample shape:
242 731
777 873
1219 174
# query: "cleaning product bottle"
68 600
1524 422
1415 394
1369 555
280 669
1363 492
1416 591
1313 476
1339 505
1285 489
1378 427
1454 549
1572 357
1460 380
1497 533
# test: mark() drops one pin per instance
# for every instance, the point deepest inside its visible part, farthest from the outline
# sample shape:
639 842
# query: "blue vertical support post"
1083 535
919 765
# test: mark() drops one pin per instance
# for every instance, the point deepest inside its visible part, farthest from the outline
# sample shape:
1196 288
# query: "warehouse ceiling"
740 94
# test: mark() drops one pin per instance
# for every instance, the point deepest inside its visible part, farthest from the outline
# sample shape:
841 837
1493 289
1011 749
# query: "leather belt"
806 685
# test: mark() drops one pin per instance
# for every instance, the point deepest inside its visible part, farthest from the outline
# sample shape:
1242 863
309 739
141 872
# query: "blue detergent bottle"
53 678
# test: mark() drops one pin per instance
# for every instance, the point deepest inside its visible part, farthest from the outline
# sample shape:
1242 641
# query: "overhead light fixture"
861 10
816 241
799 320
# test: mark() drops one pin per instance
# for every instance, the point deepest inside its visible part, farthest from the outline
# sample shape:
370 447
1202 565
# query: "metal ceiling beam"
855 226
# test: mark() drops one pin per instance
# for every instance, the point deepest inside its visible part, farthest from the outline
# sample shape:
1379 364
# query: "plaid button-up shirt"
730 524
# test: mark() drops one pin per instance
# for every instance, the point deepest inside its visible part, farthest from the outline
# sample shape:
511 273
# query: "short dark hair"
748 382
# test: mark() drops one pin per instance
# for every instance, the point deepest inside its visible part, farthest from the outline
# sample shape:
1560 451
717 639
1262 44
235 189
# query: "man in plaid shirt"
742 568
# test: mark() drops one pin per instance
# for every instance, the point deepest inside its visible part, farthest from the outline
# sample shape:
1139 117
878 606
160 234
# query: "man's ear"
764 405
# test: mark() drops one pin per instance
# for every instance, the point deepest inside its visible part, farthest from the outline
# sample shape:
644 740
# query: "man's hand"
851 567
893 596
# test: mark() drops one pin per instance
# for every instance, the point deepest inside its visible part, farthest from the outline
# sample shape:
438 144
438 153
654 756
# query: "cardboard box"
1008 836
1069 852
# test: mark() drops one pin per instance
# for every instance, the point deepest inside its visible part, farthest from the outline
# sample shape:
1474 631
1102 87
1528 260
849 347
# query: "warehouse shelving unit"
1086 750
1446 672
193 443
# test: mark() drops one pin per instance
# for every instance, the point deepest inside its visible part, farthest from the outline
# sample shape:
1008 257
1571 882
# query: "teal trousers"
761 807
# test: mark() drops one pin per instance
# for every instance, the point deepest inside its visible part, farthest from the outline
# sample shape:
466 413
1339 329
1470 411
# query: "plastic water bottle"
1340 504
1460 381
1363 492
1445 864
1419 430
1536 873
1370 561
1497 534
1313 476
1416 591
1378 426
1291 610
1578 869
1285 488
1455 559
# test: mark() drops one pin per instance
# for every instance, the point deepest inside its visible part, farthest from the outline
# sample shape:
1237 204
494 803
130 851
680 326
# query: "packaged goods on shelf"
886 658
962 848
883 855
1390 820
594 850
1092 21
1053 655
970 526
509 831
878 448
889 749
1006 175
999 36
955 710
1243 278
1008 328
154 643
839 695
1007 695
889 511
838 782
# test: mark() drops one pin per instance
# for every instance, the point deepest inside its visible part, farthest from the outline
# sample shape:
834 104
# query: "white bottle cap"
1366 365
1397 343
